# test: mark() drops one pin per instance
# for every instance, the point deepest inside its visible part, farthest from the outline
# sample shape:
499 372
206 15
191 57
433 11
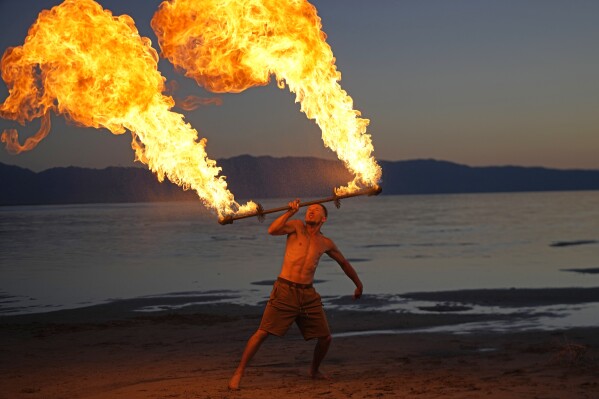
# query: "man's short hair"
326 212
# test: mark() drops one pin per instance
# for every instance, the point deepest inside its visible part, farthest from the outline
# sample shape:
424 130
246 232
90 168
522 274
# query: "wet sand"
109 351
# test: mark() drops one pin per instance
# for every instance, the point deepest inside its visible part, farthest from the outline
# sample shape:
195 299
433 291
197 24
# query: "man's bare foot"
317 375
234 383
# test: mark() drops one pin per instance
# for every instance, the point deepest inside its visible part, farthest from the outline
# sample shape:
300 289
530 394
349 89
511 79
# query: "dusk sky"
471 81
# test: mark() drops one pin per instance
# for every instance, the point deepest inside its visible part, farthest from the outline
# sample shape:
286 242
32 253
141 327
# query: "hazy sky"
478 82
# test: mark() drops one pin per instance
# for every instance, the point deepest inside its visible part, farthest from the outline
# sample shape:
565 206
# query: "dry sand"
108 351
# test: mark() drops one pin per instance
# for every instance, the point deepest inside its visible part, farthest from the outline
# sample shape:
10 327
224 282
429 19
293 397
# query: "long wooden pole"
261 212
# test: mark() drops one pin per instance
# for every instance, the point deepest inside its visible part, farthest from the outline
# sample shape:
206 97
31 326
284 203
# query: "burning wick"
260 212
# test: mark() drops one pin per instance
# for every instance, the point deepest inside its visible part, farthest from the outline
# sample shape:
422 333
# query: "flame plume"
231 45
80 61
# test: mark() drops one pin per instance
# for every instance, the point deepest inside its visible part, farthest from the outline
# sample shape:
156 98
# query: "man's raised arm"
280 226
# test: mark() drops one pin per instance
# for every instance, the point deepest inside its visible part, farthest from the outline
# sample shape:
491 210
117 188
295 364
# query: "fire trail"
92 67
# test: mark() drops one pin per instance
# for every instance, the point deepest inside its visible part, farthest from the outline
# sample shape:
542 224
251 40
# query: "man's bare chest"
307 245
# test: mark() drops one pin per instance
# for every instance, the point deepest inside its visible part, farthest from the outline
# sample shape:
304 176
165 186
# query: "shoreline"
110 351
434 309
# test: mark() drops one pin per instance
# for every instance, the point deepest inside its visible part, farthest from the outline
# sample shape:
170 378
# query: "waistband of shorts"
292 284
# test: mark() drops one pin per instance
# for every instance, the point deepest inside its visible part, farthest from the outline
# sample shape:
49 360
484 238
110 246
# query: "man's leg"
320 351
250 350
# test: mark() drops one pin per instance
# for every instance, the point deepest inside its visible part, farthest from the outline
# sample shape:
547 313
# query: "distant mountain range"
263 177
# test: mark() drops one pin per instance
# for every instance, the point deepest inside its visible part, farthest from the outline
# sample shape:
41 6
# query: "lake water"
54 257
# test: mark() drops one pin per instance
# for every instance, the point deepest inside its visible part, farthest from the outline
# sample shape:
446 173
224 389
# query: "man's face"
315 214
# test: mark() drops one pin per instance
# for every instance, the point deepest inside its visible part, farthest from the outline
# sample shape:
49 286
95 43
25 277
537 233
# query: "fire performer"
293 298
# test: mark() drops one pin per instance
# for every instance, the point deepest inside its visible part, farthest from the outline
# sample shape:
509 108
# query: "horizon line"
143 166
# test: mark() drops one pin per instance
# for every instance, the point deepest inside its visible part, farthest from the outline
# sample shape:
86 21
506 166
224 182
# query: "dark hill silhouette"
263 177
441 177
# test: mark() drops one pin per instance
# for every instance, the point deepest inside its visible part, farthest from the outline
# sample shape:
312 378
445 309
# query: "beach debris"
571 354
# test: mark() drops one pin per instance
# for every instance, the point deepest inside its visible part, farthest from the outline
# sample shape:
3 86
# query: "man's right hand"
294 206
282 225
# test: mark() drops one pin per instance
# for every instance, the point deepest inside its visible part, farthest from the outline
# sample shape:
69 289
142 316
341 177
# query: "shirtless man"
293 297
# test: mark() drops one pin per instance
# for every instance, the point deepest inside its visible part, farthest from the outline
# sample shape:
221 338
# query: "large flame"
81 61
231 45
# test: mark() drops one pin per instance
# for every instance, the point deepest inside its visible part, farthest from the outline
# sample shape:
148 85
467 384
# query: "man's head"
316 214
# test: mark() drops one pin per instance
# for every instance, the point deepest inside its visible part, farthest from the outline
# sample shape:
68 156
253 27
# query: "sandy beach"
110 351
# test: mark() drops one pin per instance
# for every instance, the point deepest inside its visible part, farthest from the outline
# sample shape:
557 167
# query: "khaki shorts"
289 303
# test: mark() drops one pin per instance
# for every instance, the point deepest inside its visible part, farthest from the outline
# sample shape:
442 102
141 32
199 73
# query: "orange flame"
231 45
94 68
11 137
191 103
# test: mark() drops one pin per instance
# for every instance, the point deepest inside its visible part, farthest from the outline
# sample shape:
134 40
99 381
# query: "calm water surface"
67 256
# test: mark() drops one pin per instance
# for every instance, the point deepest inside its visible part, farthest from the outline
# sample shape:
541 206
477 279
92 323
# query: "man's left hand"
358 293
